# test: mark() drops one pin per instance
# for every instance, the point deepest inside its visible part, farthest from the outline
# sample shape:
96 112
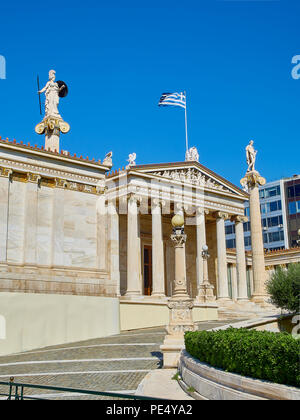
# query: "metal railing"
16 392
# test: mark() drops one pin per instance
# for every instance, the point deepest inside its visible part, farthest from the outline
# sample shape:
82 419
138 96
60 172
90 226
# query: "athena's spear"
38 84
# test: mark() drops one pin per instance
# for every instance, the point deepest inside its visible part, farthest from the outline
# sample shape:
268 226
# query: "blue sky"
232 57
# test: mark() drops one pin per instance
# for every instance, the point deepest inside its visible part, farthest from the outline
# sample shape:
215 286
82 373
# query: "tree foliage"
284 288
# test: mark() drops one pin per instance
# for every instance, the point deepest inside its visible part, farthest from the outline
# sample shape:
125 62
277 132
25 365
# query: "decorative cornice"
44 170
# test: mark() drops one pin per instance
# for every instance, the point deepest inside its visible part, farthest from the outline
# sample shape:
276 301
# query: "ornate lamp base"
206 293
181 320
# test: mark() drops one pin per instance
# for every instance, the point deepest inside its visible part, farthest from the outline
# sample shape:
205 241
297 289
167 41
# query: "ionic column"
253 179
222 292
158 269
201 240
241 258
113 242
134 283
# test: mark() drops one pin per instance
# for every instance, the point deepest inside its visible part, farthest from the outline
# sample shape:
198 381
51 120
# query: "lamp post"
298 240
180 304
206 290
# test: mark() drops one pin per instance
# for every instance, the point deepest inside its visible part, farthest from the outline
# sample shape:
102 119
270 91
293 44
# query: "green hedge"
258 354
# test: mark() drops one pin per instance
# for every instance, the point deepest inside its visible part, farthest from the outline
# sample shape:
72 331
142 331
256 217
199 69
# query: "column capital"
180 207
155 202
6 172
221 215
134 198
239 219
200 211
33 178
252 179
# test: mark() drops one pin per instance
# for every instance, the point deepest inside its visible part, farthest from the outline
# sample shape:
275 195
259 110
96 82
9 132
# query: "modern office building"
280 214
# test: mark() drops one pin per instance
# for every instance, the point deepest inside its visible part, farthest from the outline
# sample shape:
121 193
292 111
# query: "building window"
293 191
230 243
294 207
247 240
271 192
276 236
229 229
246 226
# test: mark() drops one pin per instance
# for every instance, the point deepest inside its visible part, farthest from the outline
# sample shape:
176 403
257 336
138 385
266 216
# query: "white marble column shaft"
201 240
241 258
222 292
158 269
134 283
113 241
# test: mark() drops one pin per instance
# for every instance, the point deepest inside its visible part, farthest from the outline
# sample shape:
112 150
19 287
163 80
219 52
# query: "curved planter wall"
215 384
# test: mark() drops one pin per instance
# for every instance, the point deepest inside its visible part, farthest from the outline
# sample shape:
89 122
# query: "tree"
284 288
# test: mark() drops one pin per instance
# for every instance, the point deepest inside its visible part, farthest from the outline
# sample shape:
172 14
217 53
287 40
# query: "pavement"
117 363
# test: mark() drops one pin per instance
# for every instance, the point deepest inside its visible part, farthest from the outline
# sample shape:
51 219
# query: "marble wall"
52 240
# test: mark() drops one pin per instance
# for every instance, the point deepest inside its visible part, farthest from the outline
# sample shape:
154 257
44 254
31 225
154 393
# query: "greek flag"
173 99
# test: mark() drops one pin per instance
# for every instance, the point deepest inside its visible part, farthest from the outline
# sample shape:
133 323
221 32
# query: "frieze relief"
192 176
51 182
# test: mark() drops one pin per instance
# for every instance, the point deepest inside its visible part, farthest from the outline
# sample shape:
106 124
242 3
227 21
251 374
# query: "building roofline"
62 156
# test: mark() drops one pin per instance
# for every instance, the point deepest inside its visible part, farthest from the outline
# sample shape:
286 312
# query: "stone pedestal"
52 127
253 179
180 306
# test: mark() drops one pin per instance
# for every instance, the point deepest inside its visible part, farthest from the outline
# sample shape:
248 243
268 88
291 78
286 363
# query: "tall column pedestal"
253 179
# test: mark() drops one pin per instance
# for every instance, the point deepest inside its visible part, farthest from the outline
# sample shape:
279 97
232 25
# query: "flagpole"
186 132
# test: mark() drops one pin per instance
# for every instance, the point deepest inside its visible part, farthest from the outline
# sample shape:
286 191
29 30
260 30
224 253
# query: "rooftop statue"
131 159
251 156
192 154
52 124
53 91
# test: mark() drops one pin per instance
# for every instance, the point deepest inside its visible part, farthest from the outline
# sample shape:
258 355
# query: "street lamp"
205 289
298 240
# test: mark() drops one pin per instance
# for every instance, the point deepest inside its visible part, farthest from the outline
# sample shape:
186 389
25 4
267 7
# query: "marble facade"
68 226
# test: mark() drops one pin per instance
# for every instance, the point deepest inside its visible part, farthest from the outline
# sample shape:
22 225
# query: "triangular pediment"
192 173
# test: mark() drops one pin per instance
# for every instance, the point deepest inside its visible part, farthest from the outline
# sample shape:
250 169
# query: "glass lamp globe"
177 221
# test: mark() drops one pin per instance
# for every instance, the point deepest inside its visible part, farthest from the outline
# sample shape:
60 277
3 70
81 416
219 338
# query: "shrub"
258 354
284 288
